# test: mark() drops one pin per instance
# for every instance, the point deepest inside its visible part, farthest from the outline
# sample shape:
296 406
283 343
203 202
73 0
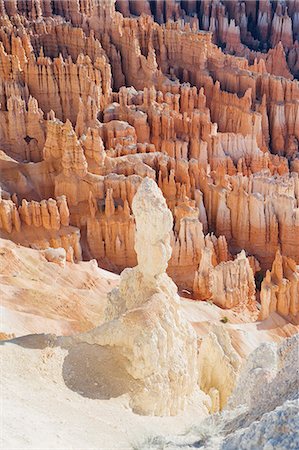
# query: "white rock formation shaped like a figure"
153 225
145 330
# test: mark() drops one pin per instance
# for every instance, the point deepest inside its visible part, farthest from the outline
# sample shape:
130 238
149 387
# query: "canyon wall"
201 97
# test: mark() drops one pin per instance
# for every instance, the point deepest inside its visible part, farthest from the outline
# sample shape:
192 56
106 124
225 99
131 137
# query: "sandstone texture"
149 219
199 96
253 418
144 326
219 366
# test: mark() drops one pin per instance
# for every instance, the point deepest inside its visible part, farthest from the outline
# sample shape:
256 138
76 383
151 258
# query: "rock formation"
241 28
201 97
280 288
157 140
40 225
252 418
219 366
229 284
144 327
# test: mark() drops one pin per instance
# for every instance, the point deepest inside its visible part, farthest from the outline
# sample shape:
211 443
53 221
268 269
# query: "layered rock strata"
40 225
95 96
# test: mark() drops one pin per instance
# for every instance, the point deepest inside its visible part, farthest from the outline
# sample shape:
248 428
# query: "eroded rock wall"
93 100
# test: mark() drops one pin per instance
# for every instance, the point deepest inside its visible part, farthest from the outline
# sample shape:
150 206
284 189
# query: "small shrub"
224 319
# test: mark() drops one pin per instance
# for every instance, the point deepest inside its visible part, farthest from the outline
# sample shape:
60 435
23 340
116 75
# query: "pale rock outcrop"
232 283
269 366
229 284
219 366
262 411
144 323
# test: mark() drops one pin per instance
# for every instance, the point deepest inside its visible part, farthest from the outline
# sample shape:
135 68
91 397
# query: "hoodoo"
149 223
145 328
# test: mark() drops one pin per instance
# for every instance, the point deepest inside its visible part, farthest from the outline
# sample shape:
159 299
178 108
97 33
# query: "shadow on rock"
34 341
97 372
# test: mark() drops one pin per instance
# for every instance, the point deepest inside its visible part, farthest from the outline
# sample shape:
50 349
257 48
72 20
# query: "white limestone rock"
145 327
262 413
218 364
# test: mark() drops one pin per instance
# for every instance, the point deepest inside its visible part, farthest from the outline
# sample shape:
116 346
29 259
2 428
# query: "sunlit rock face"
201 98
145 329
157 140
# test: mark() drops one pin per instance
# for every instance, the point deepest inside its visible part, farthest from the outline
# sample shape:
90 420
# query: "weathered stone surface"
96 96
145 327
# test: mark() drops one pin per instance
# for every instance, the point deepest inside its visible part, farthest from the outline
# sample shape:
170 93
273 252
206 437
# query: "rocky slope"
93 101
253 418
143 137
144 356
